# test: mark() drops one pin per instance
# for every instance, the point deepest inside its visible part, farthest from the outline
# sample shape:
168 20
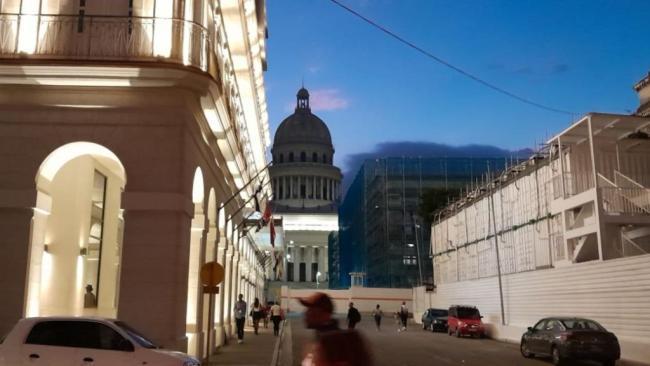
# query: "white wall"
616 293
364 298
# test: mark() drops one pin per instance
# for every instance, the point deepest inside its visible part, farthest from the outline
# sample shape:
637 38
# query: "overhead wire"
448 64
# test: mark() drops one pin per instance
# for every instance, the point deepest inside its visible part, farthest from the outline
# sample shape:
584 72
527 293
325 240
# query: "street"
417 347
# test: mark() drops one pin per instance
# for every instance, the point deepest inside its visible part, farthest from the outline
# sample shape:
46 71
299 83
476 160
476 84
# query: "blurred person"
377 314
276 316
240 318
333 346
256 314
404 315
353 316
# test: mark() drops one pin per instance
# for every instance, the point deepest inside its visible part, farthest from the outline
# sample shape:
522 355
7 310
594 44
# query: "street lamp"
318 274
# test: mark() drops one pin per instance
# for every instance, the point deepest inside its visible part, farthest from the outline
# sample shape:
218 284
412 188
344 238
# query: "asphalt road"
417 347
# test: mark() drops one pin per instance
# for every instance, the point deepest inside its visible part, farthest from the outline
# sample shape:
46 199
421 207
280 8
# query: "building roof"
642 83
302 127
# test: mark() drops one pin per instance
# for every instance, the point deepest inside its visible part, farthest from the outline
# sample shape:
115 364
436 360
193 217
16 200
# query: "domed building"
306 192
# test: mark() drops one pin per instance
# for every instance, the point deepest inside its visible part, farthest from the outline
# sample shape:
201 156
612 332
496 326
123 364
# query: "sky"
576 55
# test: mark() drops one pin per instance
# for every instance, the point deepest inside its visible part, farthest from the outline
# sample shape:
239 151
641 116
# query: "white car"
57 341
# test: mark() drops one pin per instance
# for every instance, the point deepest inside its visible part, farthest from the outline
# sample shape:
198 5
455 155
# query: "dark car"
566 339
435 320
465 320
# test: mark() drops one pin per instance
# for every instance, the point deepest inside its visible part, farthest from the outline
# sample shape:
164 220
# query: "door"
101 345
47 345
534 340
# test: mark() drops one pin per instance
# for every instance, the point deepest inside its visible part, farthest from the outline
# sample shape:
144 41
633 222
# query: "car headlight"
461 324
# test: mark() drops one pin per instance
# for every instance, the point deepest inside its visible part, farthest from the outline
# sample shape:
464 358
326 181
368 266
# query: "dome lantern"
302 99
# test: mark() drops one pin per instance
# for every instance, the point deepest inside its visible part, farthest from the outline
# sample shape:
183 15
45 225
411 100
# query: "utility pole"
496 244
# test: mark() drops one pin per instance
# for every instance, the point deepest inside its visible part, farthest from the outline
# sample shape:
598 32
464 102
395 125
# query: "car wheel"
525 351
556 357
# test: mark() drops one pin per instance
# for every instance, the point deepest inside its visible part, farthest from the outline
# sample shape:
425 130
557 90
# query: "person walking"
377 314
240 318
404 315
353 316
333 346
276 316
256 314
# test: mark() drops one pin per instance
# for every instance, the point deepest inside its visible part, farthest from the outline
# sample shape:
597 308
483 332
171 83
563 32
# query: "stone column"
156 235
309 259
313 187
16 212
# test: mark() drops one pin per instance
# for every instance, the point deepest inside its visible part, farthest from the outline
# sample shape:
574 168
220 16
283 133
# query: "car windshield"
136 336
581 324
468 313
437 312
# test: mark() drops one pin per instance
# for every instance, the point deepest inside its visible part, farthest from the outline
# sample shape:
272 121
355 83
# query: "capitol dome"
304 177
302 126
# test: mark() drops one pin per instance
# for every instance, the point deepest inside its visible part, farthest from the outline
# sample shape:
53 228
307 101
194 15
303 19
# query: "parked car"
565 339
87 341
435 320
465 320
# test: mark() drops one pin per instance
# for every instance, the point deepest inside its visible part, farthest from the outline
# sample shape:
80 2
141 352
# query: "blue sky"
577 55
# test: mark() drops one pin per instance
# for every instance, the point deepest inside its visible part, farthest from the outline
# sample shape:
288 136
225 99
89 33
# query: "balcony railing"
104 38
574 183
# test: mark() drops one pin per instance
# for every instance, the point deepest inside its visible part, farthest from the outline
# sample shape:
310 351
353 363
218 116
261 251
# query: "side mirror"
531 329
481 316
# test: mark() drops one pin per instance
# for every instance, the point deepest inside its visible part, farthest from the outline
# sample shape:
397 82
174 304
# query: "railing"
574 183
104 38
628 201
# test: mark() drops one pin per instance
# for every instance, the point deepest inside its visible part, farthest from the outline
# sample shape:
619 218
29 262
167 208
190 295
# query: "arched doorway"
76 247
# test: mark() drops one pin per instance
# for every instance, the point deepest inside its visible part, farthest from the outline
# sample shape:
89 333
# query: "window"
553 326
540 325
314 271
410 260
282 158
582 324
78 334
303 156
290 271
137 336
324 158
291 157
303 191
314 158
303 272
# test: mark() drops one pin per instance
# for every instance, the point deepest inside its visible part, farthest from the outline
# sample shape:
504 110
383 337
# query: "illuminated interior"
77 233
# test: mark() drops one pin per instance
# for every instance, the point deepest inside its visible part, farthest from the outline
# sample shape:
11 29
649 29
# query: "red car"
465 320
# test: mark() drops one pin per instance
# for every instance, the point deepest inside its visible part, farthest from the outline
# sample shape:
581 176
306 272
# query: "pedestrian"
90 300
276 316
240 318
256 314
265 314
377 314
333 346
404 315
353 316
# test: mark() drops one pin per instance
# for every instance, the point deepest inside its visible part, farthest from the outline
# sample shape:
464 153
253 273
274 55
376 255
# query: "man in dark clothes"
353 316
333 346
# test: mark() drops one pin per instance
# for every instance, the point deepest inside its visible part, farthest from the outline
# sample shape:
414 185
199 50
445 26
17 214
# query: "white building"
572 225
306 193
126 126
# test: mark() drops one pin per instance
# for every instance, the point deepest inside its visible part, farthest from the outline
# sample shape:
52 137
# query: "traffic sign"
212 274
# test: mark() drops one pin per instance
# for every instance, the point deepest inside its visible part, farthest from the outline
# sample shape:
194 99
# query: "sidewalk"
257 350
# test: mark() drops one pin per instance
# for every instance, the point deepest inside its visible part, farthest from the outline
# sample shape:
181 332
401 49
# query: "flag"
268 215
272 231
257 202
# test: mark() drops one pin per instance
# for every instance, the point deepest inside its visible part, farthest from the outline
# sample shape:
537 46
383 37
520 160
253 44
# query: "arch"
303 156
194 325
314 157
291 157
76 232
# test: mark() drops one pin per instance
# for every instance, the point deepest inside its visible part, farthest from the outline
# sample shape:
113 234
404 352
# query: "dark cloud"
424 149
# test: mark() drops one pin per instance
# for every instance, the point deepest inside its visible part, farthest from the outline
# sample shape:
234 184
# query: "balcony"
104 38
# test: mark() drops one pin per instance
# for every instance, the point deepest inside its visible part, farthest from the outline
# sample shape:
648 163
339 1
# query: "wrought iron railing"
104 38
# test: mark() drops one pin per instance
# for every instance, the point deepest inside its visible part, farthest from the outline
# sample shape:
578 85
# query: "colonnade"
306 187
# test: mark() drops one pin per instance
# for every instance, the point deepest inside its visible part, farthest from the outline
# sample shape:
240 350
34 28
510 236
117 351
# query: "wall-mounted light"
46 248
410 245
83 251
